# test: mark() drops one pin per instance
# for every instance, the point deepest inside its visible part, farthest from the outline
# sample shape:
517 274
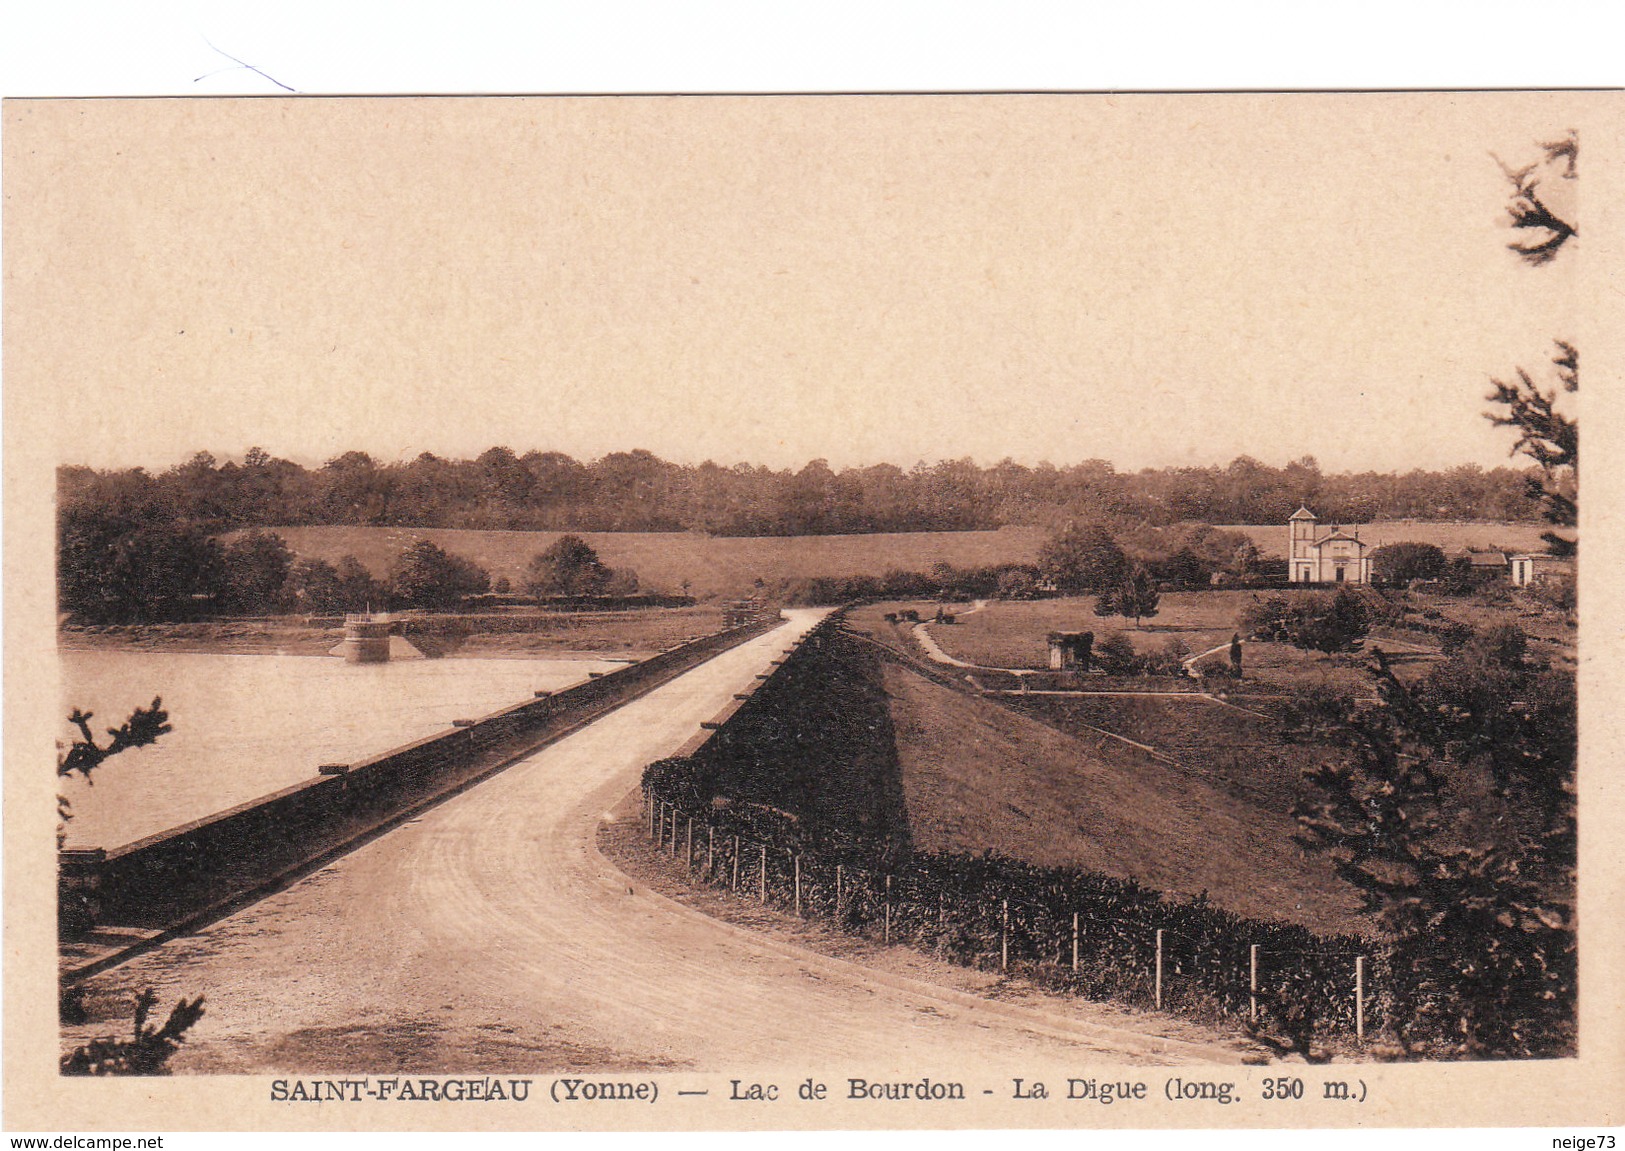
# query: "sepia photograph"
963 610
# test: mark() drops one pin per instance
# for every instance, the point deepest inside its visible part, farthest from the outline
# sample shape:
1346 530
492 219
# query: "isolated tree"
426 576
1106 604
313 586
1083 558
1116 655
1138 597
358 591
1185 568
569 566
1235 655
257 565
1400 563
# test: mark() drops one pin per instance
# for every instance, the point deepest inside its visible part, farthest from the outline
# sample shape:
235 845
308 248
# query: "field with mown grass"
728 566
713 566
1011 633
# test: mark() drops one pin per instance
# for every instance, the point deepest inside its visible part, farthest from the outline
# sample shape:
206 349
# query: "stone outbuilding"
1070 650
1536 567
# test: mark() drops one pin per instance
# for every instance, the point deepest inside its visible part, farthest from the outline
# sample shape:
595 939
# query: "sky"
1151 280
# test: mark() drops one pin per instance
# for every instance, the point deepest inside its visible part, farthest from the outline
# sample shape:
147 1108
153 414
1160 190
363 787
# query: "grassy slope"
977 776
1239 752
714 566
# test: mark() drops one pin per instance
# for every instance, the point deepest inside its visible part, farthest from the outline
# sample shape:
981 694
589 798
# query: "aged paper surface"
771 280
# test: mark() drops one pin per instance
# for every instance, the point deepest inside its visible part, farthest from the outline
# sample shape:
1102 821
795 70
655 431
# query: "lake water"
249 725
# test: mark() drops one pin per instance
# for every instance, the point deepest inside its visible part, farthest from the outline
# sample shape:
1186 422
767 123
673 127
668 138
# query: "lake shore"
618 635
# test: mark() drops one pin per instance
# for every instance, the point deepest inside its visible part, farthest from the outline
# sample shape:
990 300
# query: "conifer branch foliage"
146 1052
1548 437
1530 213
1545 435
1450 809
84 754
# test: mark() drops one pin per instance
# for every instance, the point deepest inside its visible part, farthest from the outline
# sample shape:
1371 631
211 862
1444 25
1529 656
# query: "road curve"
490 934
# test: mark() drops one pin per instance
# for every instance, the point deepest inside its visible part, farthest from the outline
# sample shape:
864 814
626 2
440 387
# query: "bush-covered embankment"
811 754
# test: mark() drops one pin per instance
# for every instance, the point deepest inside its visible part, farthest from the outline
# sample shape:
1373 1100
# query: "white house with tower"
1315 555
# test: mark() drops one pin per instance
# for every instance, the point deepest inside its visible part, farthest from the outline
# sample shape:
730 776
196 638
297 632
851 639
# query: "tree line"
638 491
110 571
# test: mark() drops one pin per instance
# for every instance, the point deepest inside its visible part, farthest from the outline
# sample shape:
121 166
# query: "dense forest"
638 491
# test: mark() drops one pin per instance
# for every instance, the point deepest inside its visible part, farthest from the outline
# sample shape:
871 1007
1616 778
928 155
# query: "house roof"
1302 514
1541 559
1339 534
1480 559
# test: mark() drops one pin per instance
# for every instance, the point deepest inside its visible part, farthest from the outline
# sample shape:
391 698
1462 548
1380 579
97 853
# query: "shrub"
1116 655
1400 563
569 566
1314 621
427 577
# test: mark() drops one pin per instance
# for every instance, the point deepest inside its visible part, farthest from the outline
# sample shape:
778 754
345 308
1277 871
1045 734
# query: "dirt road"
490 934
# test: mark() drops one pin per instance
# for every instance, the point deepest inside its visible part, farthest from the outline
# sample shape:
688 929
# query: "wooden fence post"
688 843
674 831
1359 1000
839 876
1158 994
649 810
1004 935
1074 942
710 850
736 863
761 875
888 911
1252 982
798 885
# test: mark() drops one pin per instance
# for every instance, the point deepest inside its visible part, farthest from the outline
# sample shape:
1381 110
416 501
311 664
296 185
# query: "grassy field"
713 566
1496 535
716 566
978 776
1011 633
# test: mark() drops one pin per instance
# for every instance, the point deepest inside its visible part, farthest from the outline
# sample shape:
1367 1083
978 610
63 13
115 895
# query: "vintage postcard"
851 612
